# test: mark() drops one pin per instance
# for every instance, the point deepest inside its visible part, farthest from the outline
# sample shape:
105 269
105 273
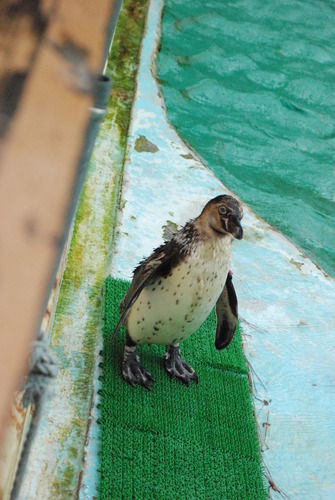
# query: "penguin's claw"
134 373
175 366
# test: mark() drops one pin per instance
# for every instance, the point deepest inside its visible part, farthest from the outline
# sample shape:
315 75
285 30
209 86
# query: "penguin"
174 290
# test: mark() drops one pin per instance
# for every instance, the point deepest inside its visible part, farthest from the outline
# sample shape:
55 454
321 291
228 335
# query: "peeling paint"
142 144
169 229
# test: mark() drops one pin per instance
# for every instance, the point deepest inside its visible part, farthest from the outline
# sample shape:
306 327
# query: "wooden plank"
51 53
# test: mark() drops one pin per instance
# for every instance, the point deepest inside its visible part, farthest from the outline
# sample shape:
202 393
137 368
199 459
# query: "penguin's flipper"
158 264
226 315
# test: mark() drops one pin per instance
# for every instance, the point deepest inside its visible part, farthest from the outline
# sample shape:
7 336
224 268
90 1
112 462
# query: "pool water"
251 86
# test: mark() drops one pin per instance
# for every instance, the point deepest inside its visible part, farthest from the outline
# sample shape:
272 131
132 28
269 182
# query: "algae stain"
142 144
65 478
296 264
185 94
253 236
74 271
188 156
123 60
92 240
183 61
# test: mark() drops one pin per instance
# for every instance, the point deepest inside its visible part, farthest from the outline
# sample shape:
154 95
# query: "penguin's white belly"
172 308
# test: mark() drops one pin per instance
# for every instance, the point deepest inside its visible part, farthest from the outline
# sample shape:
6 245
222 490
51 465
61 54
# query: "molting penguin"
174 290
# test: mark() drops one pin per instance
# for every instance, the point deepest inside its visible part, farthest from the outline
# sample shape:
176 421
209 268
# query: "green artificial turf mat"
177 442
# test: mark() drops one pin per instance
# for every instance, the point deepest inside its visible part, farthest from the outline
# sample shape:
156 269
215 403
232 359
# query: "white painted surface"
286 303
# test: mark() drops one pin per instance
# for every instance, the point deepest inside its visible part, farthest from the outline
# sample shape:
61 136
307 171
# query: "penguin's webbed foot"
134 373
175 366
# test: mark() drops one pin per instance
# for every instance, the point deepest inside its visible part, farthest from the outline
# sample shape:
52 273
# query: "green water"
251 86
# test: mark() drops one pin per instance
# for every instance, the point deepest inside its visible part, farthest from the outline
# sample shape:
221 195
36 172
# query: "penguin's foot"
132 370
175 366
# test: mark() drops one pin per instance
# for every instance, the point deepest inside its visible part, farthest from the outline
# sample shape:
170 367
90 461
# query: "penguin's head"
223 215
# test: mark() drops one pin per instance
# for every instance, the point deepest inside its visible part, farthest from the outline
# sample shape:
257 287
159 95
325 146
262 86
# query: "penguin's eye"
222 210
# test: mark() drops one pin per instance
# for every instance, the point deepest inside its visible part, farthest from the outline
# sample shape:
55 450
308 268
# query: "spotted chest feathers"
173 307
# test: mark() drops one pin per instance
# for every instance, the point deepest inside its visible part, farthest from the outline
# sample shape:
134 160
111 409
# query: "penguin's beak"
236 228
